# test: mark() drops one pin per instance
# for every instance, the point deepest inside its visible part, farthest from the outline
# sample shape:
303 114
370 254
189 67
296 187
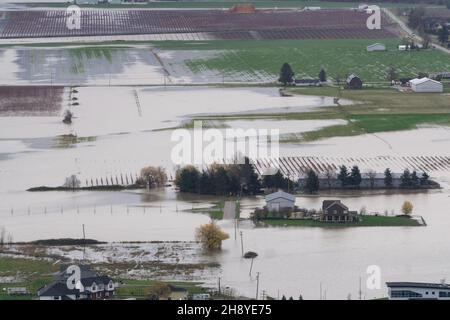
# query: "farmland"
223 4
29 101
218 24
337 57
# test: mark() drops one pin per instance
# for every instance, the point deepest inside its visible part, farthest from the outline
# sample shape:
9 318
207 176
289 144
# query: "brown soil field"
30 100
270 24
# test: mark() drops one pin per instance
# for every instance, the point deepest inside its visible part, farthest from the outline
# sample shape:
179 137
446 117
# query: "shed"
376 47
426 85
280 200
354 82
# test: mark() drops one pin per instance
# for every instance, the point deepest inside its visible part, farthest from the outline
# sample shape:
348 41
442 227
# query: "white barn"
426 85
418 291
376 47
280 200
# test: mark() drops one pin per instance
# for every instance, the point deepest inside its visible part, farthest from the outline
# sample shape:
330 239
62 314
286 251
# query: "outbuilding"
354 82
280 200
426 85
376 47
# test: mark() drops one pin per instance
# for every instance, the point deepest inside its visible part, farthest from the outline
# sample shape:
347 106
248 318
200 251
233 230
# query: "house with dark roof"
335 211
90 286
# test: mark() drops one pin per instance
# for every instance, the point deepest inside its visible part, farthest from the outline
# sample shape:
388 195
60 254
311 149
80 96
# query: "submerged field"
207 62
373 111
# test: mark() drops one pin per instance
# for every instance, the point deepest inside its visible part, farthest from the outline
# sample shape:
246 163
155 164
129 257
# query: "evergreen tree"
322 75
388 178
443 34
343 175
424 180
415 181
286 74
355 176
312 182
405 178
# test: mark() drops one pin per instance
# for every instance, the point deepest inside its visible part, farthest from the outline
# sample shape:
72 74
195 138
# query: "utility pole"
242 244
320 298
360 291
257 284
235 229
219 285
84 242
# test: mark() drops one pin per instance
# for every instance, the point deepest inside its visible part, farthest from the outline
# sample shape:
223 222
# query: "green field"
33 274
366 221
261 60
224 4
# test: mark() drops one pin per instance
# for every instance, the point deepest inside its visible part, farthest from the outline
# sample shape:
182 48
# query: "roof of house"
417 81
418 285
307 80
351 77
177 289
57 288
375 44
328 203
280 194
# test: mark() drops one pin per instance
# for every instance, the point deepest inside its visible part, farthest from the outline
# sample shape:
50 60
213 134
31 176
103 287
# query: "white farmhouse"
280 200
376 47
426 85
418 291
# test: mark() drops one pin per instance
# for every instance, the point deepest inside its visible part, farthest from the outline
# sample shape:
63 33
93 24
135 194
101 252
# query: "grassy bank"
366 221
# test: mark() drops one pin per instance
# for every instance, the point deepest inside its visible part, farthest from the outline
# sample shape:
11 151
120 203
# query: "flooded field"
114 134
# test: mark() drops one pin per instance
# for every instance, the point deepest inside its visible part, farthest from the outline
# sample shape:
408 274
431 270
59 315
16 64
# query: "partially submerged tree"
72 182
211 236
407 208
286 74
153 177
67 117
250 255
312 182
371 175
388 178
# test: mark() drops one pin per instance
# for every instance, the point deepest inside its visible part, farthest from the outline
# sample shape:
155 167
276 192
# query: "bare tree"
371 175
2 236
72 182
153 176
330 175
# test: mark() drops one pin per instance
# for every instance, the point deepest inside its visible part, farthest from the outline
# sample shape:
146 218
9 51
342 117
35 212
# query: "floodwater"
117 137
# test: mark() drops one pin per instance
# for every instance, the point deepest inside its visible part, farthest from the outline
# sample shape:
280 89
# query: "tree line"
353 178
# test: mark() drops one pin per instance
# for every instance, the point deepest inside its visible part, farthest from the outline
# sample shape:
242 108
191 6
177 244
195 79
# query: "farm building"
243 8
376 47
354 82
307 82
426 85
280 200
